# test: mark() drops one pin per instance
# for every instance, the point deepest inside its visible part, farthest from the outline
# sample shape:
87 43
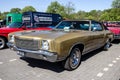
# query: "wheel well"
4 38
80 46
110 39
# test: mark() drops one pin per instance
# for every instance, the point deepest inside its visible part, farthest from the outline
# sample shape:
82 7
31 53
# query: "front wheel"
2 43
74 59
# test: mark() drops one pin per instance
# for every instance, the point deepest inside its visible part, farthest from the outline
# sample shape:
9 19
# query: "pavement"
96 65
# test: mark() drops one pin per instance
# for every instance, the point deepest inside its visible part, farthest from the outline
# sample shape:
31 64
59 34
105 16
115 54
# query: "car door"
97 32
88 35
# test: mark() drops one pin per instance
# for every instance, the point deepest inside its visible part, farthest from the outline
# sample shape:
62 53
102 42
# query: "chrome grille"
28 44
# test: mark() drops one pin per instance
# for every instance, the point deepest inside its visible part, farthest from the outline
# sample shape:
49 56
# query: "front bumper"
41 54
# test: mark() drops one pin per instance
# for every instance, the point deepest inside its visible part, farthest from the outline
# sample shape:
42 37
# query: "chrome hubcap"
75 58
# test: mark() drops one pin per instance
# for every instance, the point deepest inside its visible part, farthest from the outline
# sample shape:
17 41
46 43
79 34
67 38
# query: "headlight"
45 45
11 38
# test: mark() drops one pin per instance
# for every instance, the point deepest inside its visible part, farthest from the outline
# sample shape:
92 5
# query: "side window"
84 26
96 27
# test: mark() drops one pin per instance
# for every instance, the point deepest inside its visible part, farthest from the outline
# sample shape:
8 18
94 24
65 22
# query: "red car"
16 26
114 27
116 31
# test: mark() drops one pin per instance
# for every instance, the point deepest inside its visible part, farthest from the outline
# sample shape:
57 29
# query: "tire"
73 60
107 45
2 43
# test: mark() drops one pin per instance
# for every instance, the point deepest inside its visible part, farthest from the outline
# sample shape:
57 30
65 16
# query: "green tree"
80 15
56 7
116 4
115 13
94 14
104 16
0 16
69 8
28 8
66 11
3 15
112 14
15 10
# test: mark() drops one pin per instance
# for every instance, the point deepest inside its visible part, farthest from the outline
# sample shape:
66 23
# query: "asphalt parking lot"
97 65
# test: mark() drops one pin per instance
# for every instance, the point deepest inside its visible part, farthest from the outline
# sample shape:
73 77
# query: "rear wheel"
107 45
74 59
2 43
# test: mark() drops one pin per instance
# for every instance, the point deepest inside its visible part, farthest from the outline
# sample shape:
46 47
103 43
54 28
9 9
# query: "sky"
41 5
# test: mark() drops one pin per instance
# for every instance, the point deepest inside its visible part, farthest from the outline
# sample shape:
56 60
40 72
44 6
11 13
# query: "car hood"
53 34
115 30
8 30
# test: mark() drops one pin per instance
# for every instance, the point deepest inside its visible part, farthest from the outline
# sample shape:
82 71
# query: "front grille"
29 44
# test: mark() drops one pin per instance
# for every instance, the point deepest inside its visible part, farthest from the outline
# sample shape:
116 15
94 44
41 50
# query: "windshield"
64 24
15 25
78 25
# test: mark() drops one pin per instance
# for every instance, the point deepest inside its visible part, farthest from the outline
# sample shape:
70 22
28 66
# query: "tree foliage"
15 10
28 8
68 12
65 11
3 15
54 7
111 14
116 4
69 8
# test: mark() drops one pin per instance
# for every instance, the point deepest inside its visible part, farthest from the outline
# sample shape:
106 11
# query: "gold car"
67 42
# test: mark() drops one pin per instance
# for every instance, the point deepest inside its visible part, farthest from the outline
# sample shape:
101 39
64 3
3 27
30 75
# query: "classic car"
66 43
14 27
114 27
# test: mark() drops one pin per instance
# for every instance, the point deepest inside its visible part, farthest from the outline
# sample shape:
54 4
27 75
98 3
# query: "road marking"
12 60
100 74
92 79
105 69
114 61
117 58
1 62
110 65
0 79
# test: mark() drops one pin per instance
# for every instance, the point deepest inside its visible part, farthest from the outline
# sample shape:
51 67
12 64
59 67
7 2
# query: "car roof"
84 20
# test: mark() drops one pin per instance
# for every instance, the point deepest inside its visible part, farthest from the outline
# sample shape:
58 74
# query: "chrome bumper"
41 54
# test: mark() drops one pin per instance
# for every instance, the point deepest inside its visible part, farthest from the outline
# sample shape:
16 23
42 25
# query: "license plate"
21 53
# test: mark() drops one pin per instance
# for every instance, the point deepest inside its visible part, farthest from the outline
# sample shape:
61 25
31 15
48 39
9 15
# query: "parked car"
114 27
13 27
67 42
30 21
